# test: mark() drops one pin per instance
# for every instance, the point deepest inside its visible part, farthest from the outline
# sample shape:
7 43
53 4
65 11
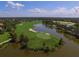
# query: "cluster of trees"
72 30
77 26
48 24
10 27
23 41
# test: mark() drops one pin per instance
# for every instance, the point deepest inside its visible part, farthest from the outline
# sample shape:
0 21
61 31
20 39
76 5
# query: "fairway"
4 37
43 36
36 39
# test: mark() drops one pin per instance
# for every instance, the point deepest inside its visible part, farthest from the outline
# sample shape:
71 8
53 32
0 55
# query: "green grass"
4 37
36 39
24 28
43 36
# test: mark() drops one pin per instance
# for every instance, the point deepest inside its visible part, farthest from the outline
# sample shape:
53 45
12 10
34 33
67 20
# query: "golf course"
37 40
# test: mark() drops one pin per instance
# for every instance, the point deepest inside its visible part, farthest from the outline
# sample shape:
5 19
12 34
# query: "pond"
69 48
43 28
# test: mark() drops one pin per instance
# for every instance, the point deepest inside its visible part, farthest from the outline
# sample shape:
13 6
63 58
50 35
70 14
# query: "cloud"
57 12
42 12
76 9
14 5
37 10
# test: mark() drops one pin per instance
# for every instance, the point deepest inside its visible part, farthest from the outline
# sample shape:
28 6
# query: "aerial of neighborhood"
39 28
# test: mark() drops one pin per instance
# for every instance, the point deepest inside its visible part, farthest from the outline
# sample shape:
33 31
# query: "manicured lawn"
43 36
4 37
36 39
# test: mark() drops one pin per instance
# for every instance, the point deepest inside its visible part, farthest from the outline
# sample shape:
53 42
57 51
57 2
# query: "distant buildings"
68 24
68 27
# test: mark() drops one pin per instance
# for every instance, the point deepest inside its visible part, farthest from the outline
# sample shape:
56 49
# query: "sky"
39 8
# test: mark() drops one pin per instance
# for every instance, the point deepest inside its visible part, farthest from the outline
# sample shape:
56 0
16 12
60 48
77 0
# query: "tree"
77 26
61 41
9 25
23 41
45 48
13 37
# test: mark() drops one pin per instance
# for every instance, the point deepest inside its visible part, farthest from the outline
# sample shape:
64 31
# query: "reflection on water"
70 48
43 28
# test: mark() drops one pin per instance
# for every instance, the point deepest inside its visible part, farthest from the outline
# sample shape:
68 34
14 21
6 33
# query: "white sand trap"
32 30
20 24
47 34
43 35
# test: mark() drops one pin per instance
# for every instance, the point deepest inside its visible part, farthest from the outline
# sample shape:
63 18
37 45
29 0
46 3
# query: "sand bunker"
32 30
20 24
44 35
47 34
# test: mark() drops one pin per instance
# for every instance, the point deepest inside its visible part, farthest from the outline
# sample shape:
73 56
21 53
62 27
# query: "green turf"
43 36
4 37
37 39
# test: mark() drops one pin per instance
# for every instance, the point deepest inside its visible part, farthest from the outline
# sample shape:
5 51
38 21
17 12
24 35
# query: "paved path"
5 41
